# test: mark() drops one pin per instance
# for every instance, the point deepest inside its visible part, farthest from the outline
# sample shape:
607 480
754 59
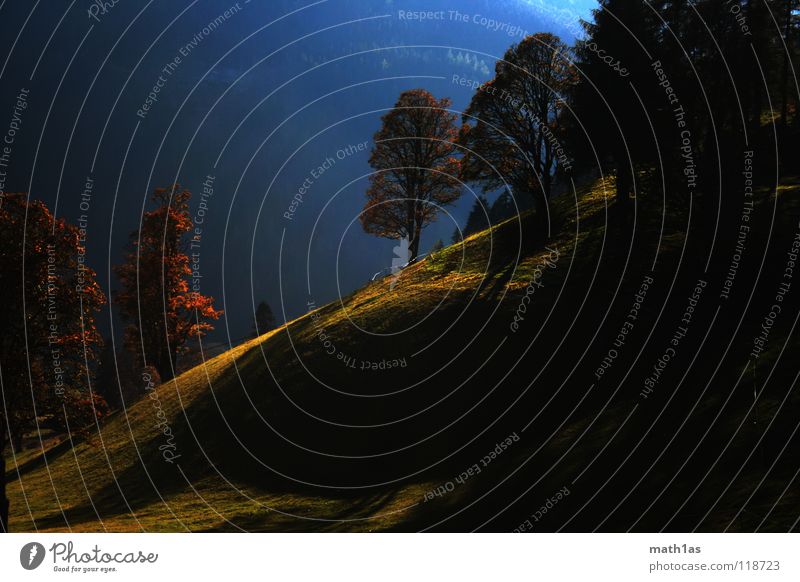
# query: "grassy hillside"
287 432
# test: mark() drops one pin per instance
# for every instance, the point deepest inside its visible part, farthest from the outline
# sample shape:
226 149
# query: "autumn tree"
510 132
264 319
415 168
156 300
50 343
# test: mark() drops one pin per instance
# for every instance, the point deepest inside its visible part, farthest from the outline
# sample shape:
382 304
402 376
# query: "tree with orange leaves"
161 310
50 343
416 171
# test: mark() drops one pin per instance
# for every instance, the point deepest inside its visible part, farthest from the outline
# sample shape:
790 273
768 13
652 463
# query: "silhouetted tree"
119 379
416 171
50 341
606 123
504 207
478 218
436 247
264 319
684 87
510 129
787 53
156 300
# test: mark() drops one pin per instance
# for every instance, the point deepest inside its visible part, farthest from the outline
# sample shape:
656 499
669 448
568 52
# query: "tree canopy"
510 132
415 168
50 342
162 310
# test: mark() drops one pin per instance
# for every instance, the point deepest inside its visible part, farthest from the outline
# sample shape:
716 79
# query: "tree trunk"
164 368
413 244
3 498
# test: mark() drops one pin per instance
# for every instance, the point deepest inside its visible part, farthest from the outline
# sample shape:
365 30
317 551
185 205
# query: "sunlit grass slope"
258 444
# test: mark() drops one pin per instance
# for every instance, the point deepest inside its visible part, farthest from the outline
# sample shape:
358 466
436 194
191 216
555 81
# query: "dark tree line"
685 85
485 214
